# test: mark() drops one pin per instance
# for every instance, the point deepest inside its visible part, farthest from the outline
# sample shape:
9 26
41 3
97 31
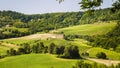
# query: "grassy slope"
89 29
82 44
18 41
35 61
3 50
110 54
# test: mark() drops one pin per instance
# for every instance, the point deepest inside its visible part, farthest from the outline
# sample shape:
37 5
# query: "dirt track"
42 36
103 61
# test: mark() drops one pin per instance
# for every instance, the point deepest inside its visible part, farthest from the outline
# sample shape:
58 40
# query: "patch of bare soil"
42 36
103 61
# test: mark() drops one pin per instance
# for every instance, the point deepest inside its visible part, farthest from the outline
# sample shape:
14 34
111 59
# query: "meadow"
89 29
3 50
36 61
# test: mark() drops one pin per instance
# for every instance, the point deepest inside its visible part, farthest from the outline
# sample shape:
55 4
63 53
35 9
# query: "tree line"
70 51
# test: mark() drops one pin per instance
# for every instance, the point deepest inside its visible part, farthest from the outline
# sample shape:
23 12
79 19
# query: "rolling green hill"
36 61
89 29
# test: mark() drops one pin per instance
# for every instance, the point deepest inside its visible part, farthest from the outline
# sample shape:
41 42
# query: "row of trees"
71 52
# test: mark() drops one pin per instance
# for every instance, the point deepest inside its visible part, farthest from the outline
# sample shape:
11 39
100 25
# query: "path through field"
103 61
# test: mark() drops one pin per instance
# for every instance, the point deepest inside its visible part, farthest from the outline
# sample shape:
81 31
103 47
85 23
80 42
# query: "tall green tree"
27 49
38 48
11 52
51 48
116 5
90 4
71 52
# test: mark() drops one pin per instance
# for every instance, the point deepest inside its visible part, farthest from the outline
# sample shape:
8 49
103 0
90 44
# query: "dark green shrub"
101 55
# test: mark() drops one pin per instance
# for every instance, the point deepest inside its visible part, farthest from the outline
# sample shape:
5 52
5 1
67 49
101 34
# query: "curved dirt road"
102 61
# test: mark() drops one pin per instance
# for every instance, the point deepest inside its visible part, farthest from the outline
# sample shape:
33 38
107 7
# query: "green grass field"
82 44
89 29
110 54
3 50
18 41
35 61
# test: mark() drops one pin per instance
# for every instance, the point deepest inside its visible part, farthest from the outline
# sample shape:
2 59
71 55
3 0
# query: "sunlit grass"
36 61
110 54
89 29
